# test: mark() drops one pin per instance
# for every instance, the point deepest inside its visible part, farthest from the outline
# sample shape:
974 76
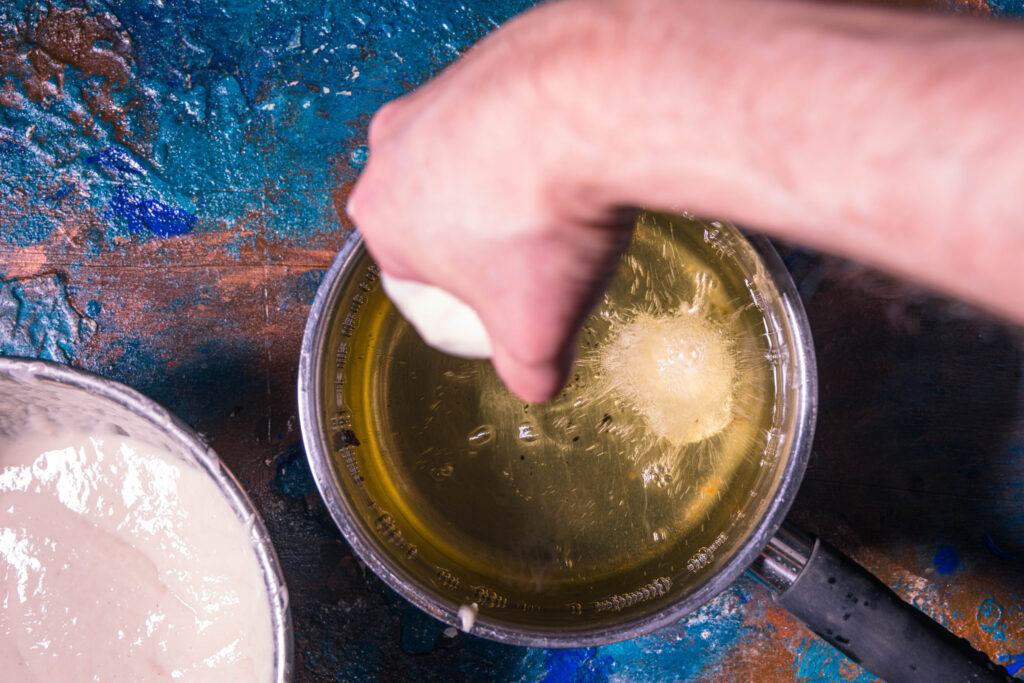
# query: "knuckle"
356 202
382 122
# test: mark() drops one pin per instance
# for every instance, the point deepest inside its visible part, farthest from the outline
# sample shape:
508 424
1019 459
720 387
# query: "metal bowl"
107 401
332 318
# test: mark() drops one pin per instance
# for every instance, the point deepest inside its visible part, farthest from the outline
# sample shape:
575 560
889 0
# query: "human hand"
479 183
503 180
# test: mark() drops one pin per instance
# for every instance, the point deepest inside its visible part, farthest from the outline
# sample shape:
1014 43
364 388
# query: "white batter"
118 562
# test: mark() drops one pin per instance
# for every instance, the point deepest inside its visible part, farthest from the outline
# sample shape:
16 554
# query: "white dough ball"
445 322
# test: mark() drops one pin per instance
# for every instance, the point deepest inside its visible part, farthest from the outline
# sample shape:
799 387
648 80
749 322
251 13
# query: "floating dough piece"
445 322
678 370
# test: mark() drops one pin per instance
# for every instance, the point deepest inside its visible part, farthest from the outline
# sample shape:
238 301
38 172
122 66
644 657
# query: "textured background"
173 176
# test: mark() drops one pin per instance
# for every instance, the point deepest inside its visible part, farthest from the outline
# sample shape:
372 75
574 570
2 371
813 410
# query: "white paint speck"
467 613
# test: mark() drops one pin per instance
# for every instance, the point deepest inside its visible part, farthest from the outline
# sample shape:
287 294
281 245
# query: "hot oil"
629 482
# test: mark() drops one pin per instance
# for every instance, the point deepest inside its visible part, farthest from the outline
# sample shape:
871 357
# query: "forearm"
890 137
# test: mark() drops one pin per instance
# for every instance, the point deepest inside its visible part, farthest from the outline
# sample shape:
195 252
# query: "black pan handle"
863 618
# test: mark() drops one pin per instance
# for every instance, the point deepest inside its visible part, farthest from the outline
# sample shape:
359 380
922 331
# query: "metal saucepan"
27 382
835 597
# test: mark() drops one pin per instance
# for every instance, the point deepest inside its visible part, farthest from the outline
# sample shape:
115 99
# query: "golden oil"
635 479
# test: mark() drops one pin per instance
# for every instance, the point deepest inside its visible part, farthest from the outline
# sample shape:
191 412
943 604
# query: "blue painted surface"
991 617
242 122
218 110
1007 7
818 662
695 647
37 320
1015 664
577 666
293 478
117 160
303 289
946 560
152 215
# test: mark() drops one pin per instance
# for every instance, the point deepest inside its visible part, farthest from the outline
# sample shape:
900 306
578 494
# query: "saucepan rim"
313 428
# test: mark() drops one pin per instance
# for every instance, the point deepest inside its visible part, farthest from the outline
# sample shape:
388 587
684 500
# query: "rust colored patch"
343 177
53 45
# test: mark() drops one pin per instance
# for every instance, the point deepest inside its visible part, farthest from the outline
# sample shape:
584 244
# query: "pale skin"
890 137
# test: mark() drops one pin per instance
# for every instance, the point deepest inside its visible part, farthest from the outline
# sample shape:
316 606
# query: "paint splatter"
991 618
116 160
293 478
150 215
37 320
696 647
819 662
1007 7
232 111
1015 664
946 560
577 666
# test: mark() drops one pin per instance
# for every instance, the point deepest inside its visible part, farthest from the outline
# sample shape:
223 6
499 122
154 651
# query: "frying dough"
678 370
